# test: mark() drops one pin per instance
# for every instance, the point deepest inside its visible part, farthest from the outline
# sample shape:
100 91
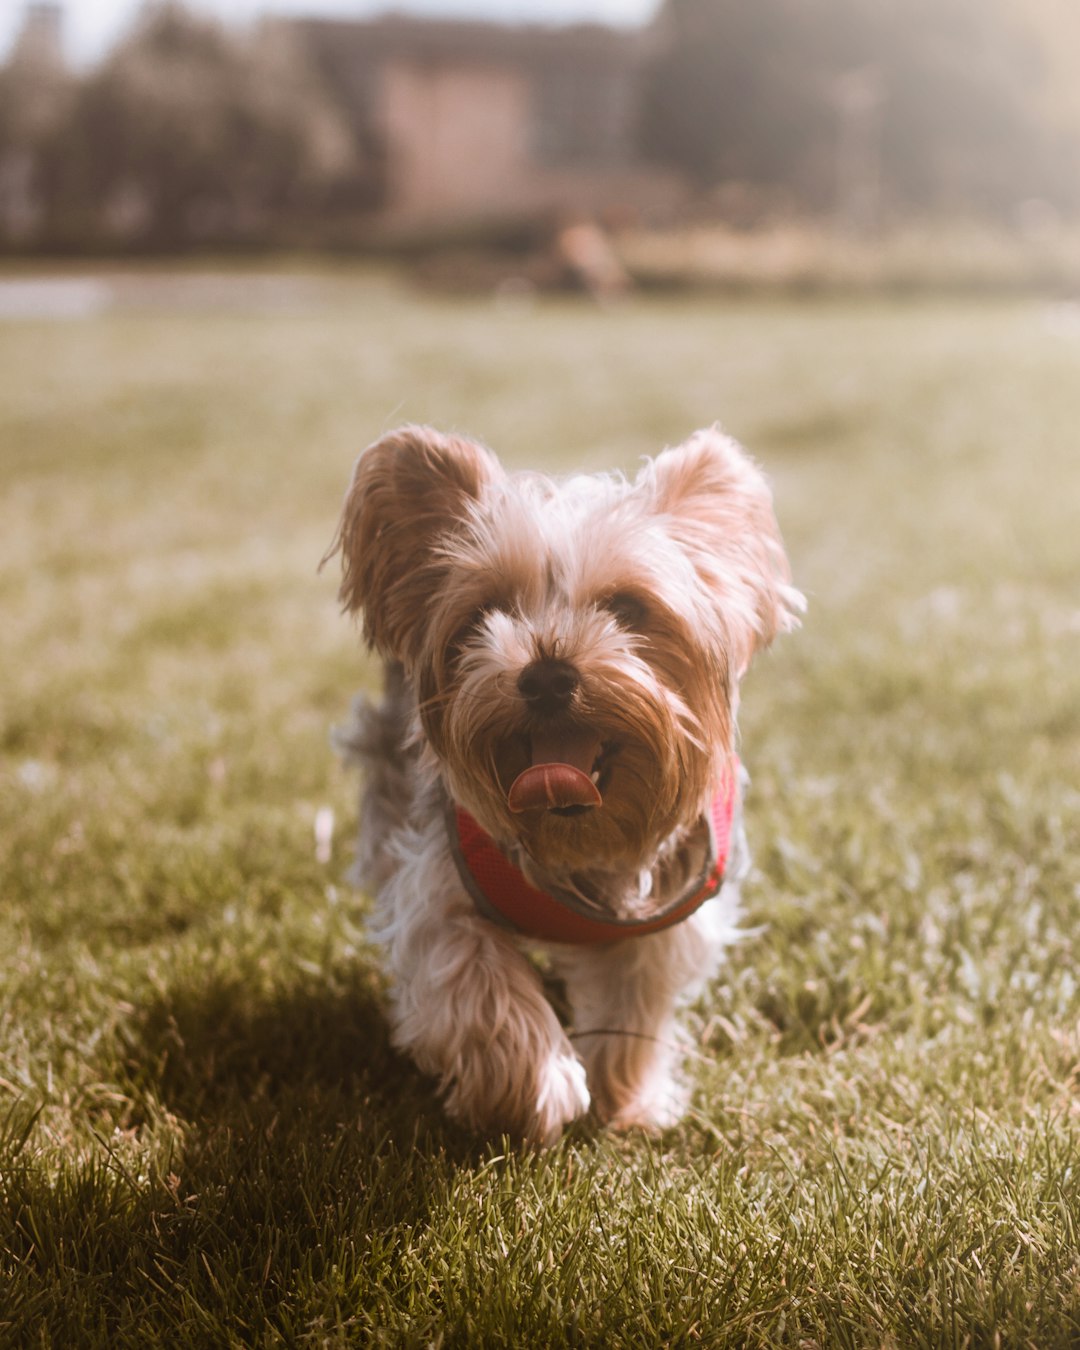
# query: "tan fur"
404 493
655 594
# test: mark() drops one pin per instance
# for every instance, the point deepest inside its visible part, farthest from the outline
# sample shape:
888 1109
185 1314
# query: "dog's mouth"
567 776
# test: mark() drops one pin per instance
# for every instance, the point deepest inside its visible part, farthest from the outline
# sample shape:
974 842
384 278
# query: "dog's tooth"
595 775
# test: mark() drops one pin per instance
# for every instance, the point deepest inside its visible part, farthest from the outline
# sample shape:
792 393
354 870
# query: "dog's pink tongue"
558 775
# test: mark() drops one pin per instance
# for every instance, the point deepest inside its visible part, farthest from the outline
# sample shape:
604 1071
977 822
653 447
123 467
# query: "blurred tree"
732 94
189 134
35 97
937 100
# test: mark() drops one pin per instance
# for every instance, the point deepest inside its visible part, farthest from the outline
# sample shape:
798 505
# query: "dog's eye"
627 610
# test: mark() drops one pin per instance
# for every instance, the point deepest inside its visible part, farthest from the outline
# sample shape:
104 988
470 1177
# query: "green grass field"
205 1139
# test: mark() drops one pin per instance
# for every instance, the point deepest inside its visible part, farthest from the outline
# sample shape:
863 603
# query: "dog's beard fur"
652 595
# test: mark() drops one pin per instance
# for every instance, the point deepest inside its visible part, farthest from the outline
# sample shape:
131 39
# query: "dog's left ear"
720 510
410 492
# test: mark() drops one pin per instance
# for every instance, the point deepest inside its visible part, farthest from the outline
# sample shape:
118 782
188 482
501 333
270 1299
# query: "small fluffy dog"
553 762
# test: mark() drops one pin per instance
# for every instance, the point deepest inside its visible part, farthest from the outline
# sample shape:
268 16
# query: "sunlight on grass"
205 1137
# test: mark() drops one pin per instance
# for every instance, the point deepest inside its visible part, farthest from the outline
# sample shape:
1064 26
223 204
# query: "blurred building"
479 121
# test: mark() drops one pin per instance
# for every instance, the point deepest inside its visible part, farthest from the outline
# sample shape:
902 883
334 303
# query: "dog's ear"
409 492
720 509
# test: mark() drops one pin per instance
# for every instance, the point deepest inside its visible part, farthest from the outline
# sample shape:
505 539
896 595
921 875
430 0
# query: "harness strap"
503 894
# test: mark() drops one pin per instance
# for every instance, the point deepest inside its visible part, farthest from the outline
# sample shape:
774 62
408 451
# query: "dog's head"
575 645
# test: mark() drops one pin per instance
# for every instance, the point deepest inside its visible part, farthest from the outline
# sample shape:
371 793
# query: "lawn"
205 1138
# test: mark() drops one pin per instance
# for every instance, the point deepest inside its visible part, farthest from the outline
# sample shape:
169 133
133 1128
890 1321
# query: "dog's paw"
562 1096
491 1094
636 1083
660 1106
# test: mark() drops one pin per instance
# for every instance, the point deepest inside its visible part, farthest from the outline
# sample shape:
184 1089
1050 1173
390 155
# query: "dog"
553 764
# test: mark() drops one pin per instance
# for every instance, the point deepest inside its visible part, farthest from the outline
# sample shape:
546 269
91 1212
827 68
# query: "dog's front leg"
470 1010
624 998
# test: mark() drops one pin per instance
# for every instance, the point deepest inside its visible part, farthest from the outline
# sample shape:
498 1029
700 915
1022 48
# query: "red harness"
502 893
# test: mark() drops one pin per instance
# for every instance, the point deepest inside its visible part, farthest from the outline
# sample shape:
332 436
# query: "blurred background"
240 240
592 143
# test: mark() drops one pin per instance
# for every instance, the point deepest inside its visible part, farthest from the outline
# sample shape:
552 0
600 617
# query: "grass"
205 1138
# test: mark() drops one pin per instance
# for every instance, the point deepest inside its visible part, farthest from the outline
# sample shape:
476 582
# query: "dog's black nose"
548 686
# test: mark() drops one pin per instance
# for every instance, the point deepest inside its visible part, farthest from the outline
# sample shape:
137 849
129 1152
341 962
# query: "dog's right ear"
409 492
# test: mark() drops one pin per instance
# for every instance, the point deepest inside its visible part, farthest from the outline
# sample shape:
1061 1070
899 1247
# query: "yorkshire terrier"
553 764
